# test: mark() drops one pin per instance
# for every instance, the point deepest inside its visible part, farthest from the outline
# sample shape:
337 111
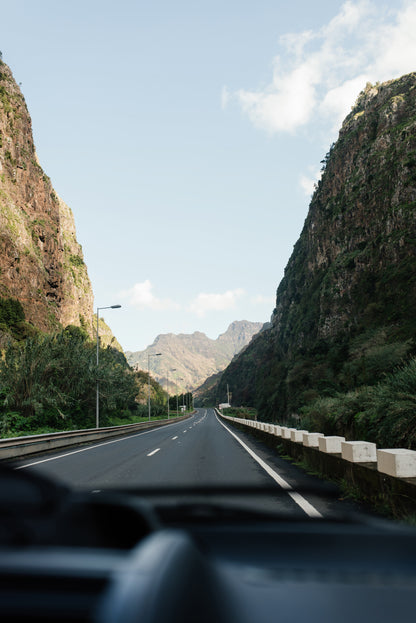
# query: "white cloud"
262 300
320 73
337 102
307 184
204 303
397 45
286 104
142 297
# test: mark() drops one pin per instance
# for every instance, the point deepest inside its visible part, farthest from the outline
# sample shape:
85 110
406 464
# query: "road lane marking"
173 438
98 445
154 452
296 497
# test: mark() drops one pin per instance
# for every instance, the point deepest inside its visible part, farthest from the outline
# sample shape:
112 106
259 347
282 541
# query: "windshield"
164 169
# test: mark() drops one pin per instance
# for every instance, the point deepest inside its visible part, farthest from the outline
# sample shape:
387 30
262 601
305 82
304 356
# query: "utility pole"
167 389
148 377
167 386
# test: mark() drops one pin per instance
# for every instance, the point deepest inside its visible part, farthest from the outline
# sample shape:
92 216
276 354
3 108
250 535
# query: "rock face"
195 357
349 289
41 262
356 252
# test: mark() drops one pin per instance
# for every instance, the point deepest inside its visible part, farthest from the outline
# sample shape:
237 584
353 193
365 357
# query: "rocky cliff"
345 309
193 356
41 262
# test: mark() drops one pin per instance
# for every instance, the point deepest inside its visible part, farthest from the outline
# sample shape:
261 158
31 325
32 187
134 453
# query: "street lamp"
97 404
167 384
148 372
177 407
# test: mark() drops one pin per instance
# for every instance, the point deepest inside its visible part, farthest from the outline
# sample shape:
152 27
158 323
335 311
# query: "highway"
201 450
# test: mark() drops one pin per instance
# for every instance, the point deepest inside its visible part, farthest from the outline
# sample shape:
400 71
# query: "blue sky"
186 137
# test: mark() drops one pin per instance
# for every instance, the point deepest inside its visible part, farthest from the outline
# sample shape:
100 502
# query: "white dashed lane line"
173 438
154 452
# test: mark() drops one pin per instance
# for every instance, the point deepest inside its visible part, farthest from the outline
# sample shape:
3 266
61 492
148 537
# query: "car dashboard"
188 556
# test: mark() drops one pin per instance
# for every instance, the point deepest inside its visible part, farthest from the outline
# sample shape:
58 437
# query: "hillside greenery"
48 382
12 320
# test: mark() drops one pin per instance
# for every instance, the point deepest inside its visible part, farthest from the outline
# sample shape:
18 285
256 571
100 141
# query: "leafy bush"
50 381
11 312
246 413
384 414
390 419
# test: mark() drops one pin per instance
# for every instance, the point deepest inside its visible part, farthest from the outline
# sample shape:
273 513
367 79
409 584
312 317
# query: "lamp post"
183 393
97 404
148 372
167 385
177 396
167 389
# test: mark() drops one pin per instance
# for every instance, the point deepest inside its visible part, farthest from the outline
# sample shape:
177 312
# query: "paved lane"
197 451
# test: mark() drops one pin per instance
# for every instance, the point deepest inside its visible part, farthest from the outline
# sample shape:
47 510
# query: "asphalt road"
199 451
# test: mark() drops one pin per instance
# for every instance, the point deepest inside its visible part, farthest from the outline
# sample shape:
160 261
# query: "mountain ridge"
194 355
41 264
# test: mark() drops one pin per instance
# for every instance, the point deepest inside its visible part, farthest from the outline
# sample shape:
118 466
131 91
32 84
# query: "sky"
186 136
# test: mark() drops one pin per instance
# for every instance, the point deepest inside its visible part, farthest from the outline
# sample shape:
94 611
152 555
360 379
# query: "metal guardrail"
16 447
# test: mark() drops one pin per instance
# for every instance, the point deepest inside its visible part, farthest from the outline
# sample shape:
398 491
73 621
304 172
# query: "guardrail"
381 475
16 447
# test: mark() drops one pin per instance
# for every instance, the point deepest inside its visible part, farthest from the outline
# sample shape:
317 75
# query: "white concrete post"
359 451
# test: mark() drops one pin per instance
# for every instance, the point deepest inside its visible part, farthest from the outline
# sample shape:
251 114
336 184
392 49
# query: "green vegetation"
9 158
76 260
245 413
12 319
11 312
181 400
5 99
48 382
384 413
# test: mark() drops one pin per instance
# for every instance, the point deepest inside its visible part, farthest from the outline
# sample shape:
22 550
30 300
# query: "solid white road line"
98 445
296 497
154 452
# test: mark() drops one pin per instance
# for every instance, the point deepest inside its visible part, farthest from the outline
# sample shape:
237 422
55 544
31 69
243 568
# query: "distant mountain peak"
194 357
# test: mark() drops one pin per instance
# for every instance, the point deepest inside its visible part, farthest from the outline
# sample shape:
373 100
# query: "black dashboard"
184 556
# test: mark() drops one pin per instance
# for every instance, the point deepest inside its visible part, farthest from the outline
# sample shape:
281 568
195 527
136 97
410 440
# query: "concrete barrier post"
331 444
278 430
398 462
311 440
359 451
286 432
297 435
